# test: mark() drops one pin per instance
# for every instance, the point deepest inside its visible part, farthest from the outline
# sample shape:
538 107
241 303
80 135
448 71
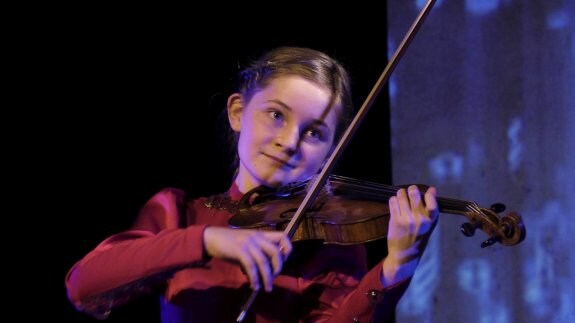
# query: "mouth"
280 161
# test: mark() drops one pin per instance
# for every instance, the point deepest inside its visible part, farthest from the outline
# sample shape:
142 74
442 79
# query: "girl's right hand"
260 253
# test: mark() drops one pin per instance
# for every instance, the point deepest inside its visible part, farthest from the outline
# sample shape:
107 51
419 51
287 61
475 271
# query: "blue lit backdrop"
483 107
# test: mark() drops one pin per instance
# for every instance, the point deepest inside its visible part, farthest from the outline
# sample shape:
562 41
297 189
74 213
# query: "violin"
349 211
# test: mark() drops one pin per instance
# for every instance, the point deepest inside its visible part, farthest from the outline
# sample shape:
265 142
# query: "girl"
291 107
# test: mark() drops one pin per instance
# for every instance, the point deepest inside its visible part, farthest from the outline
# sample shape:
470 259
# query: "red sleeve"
130 262
370 301
349 294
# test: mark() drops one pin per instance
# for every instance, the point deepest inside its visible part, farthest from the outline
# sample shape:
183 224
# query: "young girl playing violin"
291 107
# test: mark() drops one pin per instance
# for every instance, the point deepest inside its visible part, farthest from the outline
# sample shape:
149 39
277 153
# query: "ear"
235 110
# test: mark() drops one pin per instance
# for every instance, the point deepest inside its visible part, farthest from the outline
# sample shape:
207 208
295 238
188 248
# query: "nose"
289 139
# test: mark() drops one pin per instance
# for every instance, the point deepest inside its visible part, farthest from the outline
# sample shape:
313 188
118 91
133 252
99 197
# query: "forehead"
300 95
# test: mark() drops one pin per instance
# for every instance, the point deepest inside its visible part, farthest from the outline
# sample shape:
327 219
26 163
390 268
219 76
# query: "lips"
280 161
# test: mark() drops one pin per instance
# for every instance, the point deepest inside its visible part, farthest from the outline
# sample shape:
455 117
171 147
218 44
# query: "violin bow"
322 177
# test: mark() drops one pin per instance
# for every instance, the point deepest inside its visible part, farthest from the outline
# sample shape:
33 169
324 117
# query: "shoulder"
168 195
167 198
162 210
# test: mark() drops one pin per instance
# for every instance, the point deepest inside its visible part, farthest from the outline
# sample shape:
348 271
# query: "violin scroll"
508 230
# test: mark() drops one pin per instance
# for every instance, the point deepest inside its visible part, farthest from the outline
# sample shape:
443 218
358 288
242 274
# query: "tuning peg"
497 207
468 229
489 242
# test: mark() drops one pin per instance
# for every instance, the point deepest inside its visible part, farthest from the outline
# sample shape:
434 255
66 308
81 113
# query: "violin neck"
360 189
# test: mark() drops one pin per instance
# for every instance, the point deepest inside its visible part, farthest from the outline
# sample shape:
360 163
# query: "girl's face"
286 132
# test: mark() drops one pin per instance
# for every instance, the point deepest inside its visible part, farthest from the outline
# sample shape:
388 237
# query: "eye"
276 115
314 134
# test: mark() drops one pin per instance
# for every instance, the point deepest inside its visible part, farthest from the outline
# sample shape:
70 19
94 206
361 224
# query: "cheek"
246 132
243 144
317 157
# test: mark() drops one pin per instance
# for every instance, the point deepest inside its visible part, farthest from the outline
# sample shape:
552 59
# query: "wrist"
394 272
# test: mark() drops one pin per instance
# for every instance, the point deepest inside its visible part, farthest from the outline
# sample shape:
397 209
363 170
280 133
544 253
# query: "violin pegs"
468 229
489 242
497 207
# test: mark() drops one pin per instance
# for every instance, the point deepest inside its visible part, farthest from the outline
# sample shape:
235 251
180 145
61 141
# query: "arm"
131 262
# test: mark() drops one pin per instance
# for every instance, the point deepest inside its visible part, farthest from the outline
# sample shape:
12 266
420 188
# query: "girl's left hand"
412 219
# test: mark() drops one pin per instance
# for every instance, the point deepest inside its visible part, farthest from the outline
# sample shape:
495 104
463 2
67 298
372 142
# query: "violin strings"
375 190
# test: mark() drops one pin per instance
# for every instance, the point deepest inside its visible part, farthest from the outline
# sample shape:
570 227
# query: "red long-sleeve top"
163 251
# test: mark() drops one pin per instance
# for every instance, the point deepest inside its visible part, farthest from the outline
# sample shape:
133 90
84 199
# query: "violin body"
332 219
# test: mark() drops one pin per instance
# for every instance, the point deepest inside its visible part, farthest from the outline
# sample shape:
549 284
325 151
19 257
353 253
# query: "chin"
273 184
276 182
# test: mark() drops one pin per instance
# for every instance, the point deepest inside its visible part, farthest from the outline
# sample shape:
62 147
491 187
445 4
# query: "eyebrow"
287 107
